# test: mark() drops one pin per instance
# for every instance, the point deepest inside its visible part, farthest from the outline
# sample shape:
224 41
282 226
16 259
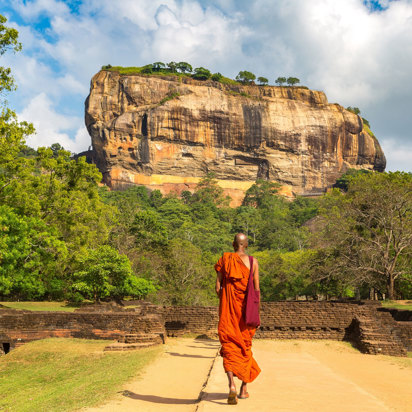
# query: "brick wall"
18 327
360 322
366 324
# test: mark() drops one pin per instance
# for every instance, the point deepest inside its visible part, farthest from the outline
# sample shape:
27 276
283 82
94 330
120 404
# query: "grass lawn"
65 374
405 305
48 306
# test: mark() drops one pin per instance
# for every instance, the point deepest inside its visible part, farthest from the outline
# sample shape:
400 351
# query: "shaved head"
240 241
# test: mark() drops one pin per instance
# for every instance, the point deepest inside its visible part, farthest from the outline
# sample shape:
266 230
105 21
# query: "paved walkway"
297 376
171 383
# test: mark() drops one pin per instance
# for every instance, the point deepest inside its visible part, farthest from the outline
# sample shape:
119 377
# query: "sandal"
232 398
245 396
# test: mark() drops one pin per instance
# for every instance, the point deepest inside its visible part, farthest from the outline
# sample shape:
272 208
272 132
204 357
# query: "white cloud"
32 9
400 155
52 127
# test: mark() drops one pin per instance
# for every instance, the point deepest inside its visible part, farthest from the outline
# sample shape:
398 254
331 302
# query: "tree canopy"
245 77
368 231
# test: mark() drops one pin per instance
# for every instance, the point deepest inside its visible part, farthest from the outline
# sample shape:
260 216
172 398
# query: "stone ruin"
366 324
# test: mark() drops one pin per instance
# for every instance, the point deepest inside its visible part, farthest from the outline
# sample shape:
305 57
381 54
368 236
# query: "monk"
233 270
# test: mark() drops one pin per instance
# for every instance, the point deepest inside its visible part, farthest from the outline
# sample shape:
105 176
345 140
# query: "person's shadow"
209 397
185 355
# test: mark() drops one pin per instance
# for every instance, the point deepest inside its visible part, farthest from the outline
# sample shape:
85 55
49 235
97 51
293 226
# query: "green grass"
227 80
368 130
396 305
65 374
170 96
138 70
40 306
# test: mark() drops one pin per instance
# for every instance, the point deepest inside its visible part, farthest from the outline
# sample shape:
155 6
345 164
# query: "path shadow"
207 342
215 347
214 397
159 399
185 355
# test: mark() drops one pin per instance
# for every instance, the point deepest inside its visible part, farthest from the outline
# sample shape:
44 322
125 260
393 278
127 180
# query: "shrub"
200 73
245 77
216 77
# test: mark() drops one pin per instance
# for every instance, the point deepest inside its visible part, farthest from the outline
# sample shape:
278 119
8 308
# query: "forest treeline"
62 236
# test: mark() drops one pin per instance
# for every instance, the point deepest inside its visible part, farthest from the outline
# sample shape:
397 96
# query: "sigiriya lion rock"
167 132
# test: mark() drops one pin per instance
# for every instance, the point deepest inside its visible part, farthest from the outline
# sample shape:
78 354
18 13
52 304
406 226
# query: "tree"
291 81
184 276
355 110
184 67
303 209
28 152
285 275
368 230
148 69
245 77
280 81
172 67
263 81
55 148
261 194
248 220
200 73
216 77
104 273
343 181
209 191
8 41
148 230
30 252
158 66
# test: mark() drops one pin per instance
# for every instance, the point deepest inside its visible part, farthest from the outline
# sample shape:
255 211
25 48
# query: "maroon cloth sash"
252 299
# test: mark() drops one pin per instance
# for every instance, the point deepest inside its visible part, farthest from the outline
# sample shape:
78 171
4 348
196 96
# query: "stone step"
383 348
142 339
117 347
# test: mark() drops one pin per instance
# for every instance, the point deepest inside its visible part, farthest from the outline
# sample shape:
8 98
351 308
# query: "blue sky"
358 52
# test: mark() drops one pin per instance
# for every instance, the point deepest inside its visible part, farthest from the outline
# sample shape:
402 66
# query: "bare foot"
243 391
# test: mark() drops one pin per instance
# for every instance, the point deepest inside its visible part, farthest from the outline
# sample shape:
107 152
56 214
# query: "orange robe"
235 336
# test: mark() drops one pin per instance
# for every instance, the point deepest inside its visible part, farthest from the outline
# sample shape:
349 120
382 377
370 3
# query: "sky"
359 52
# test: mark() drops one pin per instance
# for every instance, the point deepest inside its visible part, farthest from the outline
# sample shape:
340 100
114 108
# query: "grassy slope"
138 70
65 374
397 305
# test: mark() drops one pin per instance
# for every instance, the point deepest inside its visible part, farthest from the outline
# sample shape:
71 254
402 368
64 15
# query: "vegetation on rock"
184 69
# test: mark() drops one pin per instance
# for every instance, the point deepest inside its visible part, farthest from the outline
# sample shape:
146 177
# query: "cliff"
167 132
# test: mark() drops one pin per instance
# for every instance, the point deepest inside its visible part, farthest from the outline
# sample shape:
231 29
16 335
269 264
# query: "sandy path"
306 376
297 376
172 382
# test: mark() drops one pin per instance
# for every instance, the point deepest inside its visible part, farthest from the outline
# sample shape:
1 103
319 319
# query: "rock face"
167 132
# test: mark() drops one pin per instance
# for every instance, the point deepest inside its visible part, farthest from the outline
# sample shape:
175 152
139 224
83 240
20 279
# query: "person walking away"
233 270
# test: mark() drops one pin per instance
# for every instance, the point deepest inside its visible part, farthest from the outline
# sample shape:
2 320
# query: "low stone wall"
18 327
365 323
405 333
280 320
361 322
400 315
190 319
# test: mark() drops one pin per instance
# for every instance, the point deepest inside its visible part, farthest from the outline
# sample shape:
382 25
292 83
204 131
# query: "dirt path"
297 376
172 383
306 376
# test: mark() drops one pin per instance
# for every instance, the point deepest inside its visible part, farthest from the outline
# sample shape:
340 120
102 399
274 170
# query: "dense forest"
63 236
